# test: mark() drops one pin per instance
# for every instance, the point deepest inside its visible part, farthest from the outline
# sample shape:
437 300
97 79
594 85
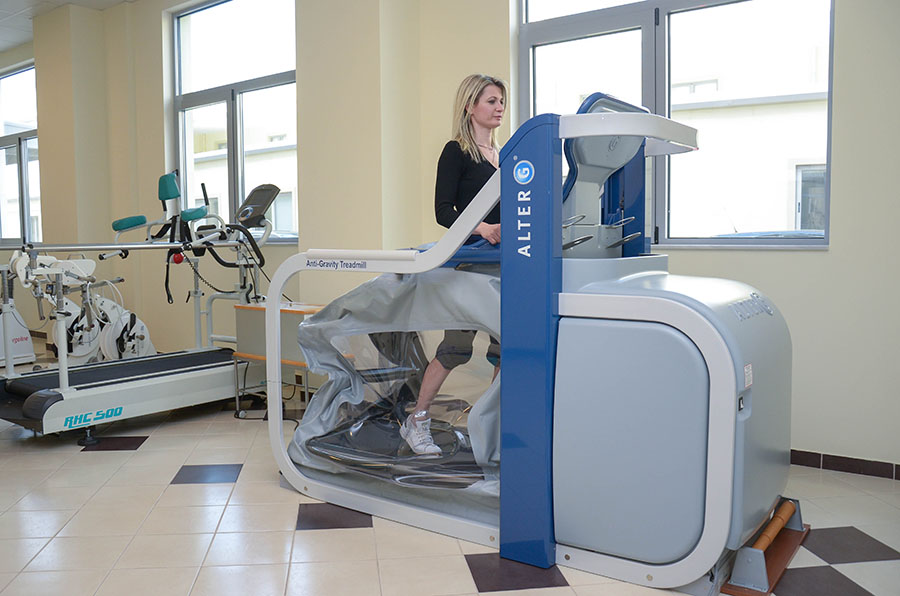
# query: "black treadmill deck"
104 373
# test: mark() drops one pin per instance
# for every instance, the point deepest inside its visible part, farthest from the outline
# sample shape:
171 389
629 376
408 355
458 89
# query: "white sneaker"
417 434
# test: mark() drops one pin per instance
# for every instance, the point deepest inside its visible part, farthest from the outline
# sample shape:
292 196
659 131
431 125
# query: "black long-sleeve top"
459 178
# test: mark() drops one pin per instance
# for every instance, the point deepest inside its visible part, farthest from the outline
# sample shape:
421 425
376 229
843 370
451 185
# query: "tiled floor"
196 507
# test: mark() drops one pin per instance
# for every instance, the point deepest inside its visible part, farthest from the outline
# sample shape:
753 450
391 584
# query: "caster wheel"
240 414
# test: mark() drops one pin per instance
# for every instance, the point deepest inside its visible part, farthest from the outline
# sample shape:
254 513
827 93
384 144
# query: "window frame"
231 95
19 140
652 18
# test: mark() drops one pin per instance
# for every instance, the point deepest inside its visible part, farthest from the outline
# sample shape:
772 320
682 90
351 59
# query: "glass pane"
18 103
236 41
270 151
760 109
206 158
35 231
811 197
566 73
538 10
9 193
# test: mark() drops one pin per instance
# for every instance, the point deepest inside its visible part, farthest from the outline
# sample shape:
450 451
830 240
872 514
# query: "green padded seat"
126 223
195 213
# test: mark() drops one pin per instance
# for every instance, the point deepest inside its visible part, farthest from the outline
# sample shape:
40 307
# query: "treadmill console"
253 210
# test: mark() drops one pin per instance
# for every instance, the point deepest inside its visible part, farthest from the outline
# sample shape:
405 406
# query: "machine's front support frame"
531 262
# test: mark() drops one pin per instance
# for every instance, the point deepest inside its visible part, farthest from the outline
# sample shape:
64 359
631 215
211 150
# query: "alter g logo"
523 172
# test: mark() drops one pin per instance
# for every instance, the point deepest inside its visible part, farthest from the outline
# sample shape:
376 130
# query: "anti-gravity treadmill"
643 421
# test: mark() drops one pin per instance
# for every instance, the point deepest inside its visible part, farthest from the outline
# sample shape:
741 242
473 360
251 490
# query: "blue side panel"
626 187
531 266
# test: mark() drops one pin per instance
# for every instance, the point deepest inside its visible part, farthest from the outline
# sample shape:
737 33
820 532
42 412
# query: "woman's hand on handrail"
490 232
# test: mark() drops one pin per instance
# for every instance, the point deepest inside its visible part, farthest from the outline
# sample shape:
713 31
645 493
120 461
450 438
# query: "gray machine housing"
640 490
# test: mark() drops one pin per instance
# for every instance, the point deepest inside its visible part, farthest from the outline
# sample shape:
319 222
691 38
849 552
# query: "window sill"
744 246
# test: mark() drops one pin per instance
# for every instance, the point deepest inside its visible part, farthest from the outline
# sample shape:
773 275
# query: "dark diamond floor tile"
493 574
847 545
208 474
817 581
325 516
116 444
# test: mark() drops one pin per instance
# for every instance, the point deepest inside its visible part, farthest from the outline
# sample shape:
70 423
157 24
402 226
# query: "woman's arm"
449 171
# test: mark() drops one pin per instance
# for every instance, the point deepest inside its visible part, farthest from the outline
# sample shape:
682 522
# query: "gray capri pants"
456 348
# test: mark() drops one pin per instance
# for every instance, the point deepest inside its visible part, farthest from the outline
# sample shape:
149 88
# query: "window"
237 106
20 184
751 75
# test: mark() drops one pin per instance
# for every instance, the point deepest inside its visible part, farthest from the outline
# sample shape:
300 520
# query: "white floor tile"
259 518
179 495
345 544
395 540
149 582
866 483
17 553
888 534
804 558
881 578
182 520
427 575
257 493
151 551
73 553
5 578
48 498
577 577
821 485
33 524
259 580
250 548
858 509
82 582
359 578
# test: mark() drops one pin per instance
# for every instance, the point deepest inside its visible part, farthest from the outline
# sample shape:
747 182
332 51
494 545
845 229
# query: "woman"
465 165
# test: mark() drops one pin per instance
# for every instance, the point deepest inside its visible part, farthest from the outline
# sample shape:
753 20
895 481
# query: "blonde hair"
470 90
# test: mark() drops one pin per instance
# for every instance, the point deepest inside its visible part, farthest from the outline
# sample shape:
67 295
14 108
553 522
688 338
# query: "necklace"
488 147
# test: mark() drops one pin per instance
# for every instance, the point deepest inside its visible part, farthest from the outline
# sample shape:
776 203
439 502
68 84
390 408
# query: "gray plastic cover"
424 304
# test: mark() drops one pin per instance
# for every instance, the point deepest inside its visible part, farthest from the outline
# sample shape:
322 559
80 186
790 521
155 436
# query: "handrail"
129 246
664 136
407 260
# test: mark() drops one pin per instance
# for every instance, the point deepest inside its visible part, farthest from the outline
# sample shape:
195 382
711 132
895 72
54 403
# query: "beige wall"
375 86
457 39
375 89
17 56
339 115
401 126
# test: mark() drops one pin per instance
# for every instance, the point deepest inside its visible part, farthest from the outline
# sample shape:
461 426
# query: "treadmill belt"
105 372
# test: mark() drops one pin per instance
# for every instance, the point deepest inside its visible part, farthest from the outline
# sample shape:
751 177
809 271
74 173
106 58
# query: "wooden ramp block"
778 557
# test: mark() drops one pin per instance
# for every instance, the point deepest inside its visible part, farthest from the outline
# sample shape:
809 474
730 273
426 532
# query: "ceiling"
16 16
